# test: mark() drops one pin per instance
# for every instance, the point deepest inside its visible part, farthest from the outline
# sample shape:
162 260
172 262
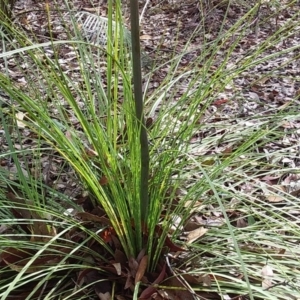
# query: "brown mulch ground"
165 30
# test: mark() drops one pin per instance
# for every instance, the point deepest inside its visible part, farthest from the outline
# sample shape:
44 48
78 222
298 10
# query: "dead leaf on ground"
118 268
133 266
195 234
141 269
20 117
150 290
21 260
176 294
267 276
275 198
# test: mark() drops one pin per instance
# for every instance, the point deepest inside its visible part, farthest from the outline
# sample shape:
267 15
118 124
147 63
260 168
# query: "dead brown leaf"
150 290
133 266
141 269
267 275
85 216
195 234
275 198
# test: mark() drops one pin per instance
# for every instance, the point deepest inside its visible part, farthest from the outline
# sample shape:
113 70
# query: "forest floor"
169 28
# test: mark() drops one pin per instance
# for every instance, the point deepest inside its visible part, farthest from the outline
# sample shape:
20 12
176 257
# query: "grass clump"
220 221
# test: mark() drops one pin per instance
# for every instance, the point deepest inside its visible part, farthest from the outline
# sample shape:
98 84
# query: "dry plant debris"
166 28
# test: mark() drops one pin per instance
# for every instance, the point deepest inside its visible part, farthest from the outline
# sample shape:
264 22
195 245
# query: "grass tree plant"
155 213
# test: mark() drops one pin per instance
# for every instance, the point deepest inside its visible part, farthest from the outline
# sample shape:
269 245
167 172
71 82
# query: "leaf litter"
257 92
